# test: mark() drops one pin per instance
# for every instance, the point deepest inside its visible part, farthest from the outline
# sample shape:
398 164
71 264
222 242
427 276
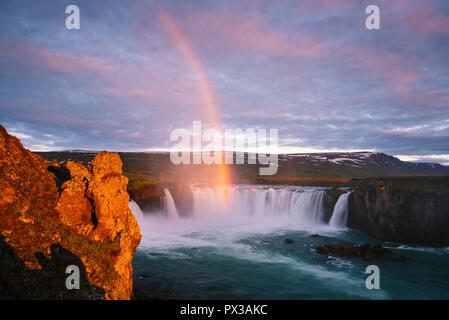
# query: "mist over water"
247 210
235 248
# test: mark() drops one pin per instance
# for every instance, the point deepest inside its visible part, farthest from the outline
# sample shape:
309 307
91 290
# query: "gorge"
274 242
154 238
400 209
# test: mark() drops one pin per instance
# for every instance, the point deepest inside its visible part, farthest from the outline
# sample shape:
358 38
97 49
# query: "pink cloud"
401 73
77 63
122 80
426 20
160 93
326 6
252 34
61 62
398 69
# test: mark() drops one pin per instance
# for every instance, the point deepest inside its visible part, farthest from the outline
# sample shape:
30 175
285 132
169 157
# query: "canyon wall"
51 213
147 195
410 210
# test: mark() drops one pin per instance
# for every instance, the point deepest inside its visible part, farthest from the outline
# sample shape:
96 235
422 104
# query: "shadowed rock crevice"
18 282
61 173
93 216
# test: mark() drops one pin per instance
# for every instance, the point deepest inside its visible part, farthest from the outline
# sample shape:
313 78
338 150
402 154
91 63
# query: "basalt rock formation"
47 208
411 210
349 250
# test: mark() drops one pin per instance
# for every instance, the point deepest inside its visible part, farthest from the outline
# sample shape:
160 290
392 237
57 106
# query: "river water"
236 249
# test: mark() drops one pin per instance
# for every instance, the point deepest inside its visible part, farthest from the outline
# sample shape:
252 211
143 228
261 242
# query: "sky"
137 70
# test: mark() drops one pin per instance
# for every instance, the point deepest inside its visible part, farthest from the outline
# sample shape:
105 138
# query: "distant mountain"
332 164
81 151
353 164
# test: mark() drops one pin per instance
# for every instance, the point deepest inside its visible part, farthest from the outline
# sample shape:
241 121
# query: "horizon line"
404 158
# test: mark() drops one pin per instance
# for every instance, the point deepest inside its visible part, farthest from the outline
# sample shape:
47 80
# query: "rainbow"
204 84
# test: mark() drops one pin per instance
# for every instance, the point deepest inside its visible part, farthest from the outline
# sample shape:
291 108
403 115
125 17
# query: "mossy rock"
348 250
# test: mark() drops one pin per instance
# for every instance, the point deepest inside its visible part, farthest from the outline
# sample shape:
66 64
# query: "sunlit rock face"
83 209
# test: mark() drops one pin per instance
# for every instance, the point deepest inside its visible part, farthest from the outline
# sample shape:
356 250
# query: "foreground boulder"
410 210
74 212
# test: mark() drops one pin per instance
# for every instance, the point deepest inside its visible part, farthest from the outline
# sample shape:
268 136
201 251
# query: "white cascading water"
221 217
169 205
304 206
340 213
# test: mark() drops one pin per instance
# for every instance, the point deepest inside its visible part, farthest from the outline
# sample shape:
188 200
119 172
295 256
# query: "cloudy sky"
136 70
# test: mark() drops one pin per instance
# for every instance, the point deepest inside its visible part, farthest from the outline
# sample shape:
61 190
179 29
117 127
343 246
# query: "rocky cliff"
77 212
411 210
147 195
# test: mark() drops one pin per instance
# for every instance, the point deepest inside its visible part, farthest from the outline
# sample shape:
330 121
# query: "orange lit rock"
88 215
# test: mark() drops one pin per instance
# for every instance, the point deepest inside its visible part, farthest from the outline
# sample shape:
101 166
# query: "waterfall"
135 210
340 213
302 205
169 205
